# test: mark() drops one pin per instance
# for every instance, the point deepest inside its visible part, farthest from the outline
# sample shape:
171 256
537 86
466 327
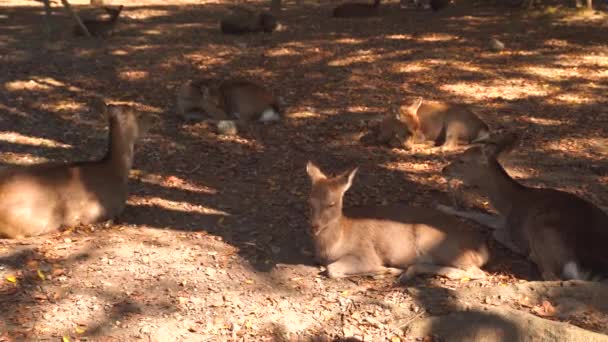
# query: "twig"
408 322
75 16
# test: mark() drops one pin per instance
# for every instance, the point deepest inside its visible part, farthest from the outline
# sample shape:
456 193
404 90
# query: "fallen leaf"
41 275
395 339
66 339
248 281
465 279
80 330
546 309
11 279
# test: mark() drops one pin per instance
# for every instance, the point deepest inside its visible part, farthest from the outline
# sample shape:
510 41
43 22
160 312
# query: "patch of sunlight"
304 114
599 59
278 52
119 52
136 105
14 137
171 182
13 110
133 75
21 158
148 13
543 121
65 105
405 68
556 42
585 16
174 205
398 36
357 109
153 32
348 41
553 73
39 84
584 148
508 89
574 98
436 37
363 56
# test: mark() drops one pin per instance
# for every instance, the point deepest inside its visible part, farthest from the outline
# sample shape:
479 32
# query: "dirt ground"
212 245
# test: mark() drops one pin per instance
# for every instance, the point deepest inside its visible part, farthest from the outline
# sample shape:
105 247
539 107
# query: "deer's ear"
415 105
347 179
314 172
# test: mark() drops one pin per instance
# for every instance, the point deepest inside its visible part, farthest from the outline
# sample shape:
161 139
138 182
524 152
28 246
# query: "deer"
100 28
241 100
245 20
43 198
444 124
388 240
356 10
564 235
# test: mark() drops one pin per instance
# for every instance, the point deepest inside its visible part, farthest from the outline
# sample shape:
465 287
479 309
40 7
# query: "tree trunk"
275 6
76 18
48 25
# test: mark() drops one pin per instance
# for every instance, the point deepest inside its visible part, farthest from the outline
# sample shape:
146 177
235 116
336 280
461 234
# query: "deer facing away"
564 235
101 28
444 124
227 100
40 199
356 10
388 240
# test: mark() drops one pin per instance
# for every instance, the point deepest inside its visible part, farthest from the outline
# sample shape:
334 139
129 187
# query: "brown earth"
212 245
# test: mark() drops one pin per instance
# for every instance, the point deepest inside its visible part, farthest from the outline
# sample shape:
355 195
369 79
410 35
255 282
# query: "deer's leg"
351 265
472 272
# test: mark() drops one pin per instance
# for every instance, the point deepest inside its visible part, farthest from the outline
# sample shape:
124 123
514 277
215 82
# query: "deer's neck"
119 158
504 192
329 241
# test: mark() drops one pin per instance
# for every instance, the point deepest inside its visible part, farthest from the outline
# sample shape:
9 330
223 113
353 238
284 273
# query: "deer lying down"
388 240
227 100
40 199
248 21
444 124
564 235
356 10
101 28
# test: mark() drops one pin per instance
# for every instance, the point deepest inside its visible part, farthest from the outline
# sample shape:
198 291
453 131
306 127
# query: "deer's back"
436 117
401 235
40 199
246 98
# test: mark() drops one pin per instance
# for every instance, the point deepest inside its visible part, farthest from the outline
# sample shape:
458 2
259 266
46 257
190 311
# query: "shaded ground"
212 245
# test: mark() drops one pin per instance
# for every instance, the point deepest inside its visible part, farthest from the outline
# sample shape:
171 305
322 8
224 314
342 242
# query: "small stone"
227 127
496 45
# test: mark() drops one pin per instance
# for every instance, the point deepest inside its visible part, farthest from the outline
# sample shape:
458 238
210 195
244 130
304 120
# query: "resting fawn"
42 198
388 240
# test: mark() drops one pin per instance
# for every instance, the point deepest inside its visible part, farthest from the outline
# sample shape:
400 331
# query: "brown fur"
42 198
248 21
552 227
442 123
398 128
101 28
356 10
226 100
379 240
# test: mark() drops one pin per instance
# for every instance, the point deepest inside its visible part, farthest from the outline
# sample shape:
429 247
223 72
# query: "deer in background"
388 240
563 234
40 199
101 28
445 124
246 20
356 10
241 100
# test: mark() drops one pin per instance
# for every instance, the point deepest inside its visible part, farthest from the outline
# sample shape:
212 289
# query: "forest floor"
213 245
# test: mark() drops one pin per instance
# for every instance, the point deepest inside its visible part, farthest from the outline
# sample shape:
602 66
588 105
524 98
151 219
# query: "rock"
227 127
496 45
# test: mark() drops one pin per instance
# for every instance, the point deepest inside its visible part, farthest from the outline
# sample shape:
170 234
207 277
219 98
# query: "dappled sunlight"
399 36
39 84
282 51
133 75
17 138
593 148
171 182
361 56
178 206
508 89
434 37
544 121
22 159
